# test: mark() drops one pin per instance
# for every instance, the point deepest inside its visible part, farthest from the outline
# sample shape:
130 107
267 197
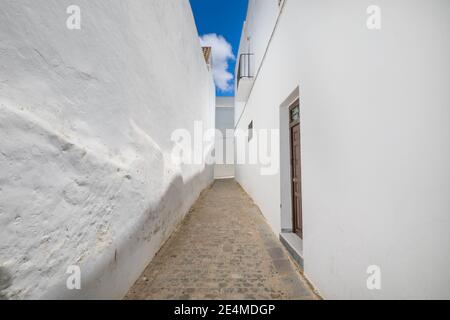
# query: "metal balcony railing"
245 67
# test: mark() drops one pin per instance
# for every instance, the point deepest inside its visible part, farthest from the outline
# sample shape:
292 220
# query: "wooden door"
296 171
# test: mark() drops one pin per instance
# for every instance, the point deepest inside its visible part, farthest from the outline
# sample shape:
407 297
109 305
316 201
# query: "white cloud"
222 53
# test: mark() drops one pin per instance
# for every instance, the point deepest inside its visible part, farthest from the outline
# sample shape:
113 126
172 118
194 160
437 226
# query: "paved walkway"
223 250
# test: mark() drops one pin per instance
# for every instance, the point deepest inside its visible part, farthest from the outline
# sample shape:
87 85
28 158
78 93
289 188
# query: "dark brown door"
296 170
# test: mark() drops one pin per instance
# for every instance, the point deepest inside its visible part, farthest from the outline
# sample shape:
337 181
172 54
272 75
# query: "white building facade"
359 95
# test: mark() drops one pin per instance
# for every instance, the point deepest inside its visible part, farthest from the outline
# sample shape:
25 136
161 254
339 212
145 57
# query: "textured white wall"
260 22
257 30
375 142
85 122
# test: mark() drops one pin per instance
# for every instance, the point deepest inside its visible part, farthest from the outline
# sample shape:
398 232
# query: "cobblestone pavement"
223 250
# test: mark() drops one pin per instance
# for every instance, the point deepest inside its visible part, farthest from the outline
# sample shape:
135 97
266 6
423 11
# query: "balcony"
245 76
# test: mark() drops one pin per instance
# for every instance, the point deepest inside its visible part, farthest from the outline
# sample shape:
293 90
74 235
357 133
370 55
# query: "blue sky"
223 18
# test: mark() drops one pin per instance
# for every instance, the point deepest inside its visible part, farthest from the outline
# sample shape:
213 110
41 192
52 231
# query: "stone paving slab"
224 250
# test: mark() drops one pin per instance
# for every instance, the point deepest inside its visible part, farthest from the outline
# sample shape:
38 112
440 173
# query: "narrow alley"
224 249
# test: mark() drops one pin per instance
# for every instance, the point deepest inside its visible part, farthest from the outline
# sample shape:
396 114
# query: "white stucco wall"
375 142
257 30
262 15
86 118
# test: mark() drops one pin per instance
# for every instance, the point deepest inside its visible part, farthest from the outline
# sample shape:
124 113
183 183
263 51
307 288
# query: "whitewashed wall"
260 23
86 116
375 142
256 33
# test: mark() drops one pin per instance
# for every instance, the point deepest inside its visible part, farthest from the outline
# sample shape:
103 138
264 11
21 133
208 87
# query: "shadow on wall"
5 281
112 275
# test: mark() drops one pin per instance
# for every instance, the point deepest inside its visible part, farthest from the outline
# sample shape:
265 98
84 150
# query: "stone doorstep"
294 246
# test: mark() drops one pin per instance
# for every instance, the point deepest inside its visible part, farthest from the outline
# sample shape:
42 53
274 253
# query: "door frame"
292 125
